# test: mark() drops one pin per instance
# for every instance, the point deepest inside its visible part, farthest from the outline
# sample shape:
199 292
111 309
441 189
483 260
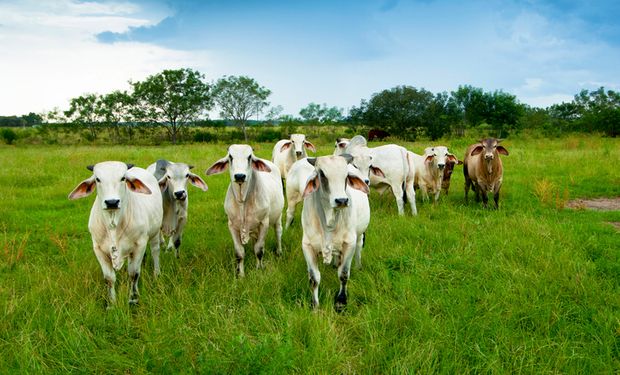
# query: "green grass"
531 288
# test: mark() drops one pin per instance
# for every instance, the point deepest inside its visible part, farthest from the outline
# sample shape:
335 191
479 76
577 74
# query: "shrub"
8 135
204 136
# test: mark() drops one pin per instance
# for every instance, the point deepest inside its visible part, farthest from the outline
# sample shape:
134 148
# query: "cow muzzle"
341 202
239 178
112 204
180 195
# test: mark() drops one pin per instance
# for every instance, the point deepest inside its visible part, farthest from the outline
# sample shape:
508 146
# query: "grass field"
530 288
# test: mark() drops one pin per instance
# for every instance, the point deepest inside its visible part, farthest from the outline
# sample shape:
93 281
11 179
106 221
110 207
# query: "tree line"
175 99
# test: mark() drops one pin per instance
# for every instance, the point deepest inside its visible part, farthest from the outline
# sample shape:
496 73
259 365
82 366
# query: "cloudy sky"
334 52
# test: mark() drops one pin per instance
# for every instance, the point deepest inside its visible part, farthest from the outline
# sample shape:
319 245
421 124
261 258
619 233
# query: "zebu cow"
173 179
334 219
288 151
483 169
430 170
125 216
341 144
254 201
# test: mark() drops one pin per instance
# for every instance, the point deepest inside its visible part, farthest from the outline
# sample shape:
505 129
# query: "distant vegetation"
172 106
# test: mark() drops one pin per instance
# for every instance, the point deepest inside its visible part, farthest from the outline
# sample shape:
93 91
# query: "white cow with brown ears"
430 170
483 169
288 151
125 216
254 201
173 179
334 219
341 144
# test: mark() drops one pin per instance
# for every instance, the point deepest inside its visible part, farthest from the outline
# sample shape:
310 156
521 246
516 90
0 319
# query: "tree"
239 98
503 112
32 119
83 112
599 110
114 109
273 114
315 113
471 105
172 99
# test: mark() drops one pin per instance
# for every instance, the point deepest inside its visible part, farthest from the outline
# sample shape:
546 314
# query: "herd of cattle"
136 206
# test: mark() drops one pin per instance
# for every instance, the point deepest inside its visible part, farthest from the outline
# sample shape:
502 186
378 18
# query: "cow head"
489 149
298 144
175 179
439 156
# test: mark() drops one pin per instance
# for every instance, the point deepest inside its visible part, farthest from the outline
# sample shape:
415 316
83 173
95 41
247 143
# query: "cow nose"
239 177
342 202
367 182
180 195
488 157
441 166
298 153
112 203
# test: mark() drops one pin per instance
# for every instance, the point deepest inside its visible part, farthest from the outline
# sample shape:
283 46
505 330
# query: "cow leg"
155 245
292 200
178 235
133 270
239 250
278 229
259 246
314 275
344 271
485 197
109 275
410 193
359 246
397 190
467 186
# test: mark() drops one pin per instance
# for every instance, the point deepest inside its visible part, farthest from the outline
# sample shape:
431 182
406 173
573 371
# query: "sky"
333 52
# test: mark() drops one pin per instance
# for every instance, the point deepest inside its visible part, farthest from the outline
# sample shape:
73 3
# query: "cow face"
341 144
439 156
489 148
331 177
112 183
298 143
176 177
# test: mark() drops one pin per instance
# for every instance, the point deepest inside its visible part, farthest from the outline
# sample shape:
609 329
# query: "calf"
430 170
288 151
483 169
254 201
447 174
334 218
173 179
125 216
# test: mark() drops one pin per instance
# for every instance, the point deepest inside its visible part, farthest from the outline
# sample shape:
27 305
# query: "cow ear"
163 183
453 158
357 183
197 181
342 145
90 167
312 185
259 165
502 150
347 157
137 186
309 146
218 167
286 146
190 166
476 150
377 171
85 188
129 165
429 158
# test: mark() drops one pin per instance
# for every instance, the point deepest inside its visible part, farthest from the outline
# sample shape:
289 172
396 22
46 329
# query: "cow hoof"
341 303
133 302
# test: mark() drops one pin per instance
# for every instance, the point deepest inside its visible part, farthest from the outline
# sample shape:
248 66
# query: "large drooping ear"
309 146
347 157
195 180
357 183
286 146
85 188
453 158
218 167
476 150
259 165
376 171
312 185
429 158
137 186
163 183
501 150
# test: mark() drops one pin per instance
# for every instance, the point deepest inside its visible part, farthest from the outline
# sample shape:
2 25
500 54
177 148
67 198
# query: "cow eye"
230 157
249 157
122 178
187 175
168 177
97 179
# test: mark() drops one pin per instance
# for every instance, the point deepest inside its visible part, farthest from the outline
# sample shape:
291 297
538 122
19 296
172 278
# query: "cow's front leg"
109 276
314 275
344 272
155 247
239 249
259 246
133 270
178 235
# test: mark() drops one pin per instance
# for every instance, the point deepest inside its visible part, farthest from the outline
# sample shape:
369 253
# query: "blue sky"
334 52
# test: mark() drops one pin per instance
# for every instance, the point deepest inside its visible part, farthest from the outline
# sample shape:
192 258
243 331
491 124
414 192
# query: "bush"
268 135
204 136
8 135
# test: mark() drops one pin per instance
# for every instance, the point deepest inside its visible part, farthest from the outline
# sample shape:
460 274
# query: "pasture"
530 288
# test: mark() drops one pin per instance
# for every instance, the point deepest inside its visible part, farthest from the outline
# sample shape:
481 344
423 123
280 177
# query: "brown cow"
483 169
377 134
447 173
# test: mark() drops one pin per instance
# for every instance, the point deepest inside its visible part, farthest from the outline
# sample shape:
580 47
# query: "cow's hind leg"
155 247
314 275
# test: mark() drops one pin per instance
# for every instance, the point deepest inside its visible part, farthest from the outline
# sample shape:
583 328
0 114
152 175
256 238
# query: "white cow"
389 168
173 179
341 144
430 170
334 219
126 214
254 201
288 151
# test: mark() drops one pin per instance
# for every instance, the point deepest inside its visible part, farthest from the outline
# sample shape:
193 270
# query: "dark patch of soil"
598 204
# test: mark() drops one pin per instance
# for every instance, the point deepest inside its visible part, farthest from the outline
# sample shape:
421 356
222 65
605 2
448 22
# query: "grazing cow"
288 151
126 214
386 167
377 134
447 174
254 201
173 178
341 144
483 169
334 219
296 180
430 170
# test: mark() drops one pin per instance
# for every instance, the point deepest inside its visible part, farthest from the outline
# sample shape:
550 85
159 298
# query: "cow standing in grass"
254 201
334 219
173 179
430 170
483 169
125 216
288 151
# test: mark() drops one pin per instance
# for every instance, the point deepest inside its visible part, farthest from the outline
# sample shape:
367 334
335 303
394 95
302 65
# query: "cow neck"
114 222
247 194
329 218
490 172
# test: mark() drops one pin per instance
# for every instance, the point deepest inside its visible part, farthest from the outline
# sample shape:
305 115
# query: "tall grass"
530 288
